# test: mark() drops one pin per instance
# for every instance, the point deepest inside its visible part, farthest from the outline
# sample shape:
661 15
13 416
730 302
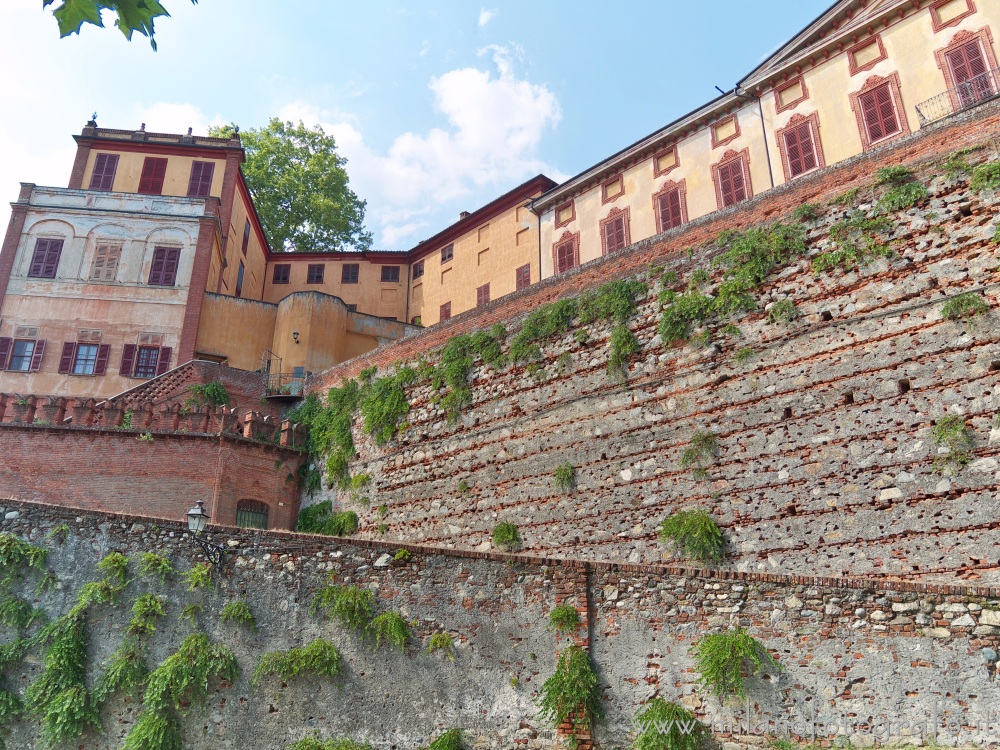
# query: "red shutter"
66 360
128 360
246 237
968 66
670 210
153 172
800 150
36 357
879 113
731 183
45 259
6 344
163 270
163 362
200 184
103 354
614 235
103 176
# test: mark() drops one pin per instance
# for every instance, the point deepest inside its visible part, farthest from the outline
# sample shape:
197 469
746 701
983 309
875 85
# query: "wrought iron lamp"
197 520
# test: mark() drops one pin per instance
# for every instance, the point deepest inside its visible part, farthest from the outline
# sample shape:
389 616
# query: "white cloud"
494 125
485 16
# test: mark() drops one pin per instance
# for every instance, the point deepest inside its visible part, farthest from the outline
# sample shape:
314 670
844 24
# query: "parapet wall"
83 455
919 657
826 461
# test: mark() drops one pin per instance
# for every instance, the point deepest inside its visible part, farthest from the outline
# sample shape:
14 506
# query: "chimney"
464 215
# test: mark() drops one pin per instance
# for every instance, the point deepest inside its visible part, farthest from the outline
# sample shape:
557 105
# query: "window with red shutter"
390 274
800 149
22 354
314 273
163 363
732 184
6 344
153 172
36 356
200 184
103 176
105 265
349 273
614 234
445 311
45 259
67 358
668 209
969 72
523 276
246 237
565 255
103 355
128 360
163 270
879 113
146 361
482 295
84 359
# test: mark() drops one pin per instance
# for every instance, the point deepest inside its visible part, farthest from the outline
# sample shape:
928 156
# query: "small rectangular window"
447 253
281 274
445 311
566 255
352 308
523 276
418 269
163 271
614 234
21 355
200 184
879 113
85 360
732 182
390 274
800 149
349 273
147 361
612 189
105 265
103 176
664 161
565 214
246 237
153 172
314 274
45 259
239 280
668 209
482 295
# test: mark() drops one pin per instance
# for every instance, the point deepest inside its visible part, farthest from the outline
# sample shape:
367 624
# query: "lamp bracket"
213 552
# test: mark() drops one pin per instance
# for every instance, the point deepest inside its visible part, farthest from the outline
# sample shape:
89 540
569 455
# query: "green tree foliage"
300 188
133 15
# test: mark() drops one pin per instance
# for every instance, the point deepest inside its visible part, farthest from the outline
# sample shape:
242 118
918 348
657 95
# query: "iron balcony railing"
967 94
284 384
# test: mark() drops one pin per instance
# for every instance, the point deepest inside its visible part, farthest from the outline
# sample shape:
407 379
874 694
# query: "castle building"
866 72
154 256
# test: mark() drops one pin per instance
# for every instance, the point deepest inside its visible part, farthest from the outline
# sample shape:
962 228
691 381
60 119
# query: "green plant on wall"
16 554
951 434
669 726
457 359
351 606
564 619
572 693
155 566
146 609
450 740
314 742
384 404
694 534
985 177
506 536
725 660
321 519
564 478
704 446
179 682
782 312
238 613
442 643
390 628
320 658
199 576
212 394
857 243
901 189
124 673
964 306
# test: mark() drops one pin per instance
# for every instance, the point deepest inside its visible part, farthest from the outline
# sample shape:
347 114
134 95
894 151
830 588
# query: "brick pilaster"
196 289
18 214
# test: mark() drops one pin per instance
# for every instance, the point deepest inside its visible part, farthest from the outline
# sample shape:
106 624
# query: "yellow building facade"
865 73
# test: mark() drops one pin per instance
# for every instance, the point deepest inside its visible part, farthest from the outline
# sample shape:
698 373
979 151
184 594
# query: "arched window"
251 514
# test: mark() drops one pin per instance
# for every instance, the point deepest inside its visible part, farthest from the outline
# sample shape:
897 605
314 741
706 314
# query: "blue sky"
439 106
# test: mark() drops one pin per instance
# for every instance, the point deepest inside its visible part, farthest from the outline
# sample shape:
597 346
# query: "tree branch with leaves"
133 15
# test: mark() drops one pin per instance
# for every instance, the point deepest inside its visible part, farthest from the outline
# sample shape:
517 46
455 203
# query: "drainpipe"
409 281
538 234
763 127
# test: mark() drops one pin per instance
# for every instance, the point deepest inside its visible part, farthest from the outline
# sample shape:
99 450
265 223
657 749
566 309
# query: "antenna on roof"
93 120
190 130
142 128
720 90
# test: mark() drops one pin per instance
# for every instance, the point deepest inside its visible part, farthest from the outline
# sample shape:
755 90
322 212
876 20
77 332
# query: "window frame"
70 361
520 282
850 52
169 259
154 174
444 312
109 270
448 253
729 158
41 260
613 217
350 273
573 242
784 86
240 276
246 238
657 172
101 180
483 295
252 509
873 83
286 273
204 182
388 271
714 128
571 205
665 190
315 273
985 39
149 367
418 269
28 358
938 25
606 196
130 360
800 121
